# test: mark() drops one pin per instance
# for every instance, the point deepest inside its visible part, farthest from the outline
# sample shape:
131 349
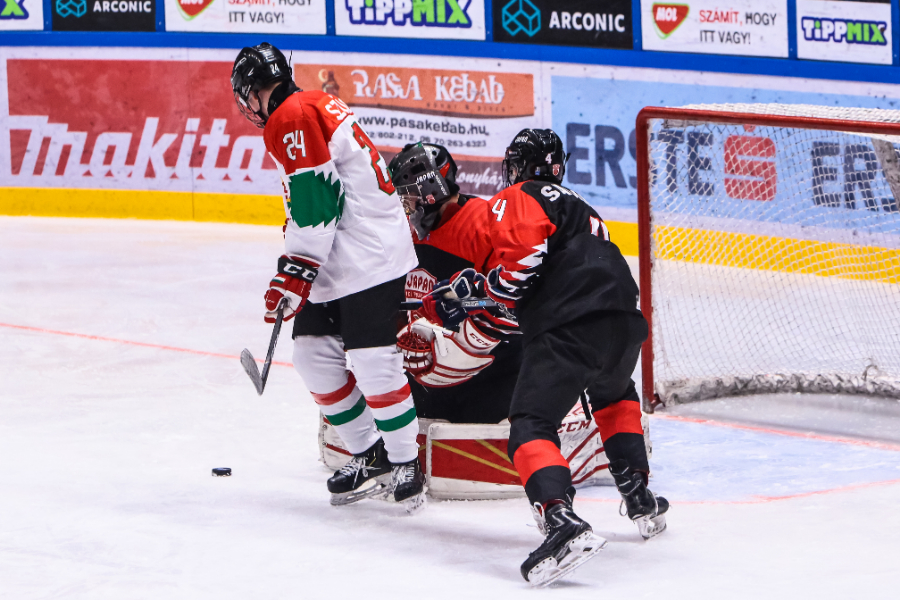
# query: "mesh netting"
775 256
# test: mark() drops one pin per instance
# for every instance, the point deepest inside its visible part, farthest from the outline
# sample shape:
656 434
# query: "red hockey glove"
294 280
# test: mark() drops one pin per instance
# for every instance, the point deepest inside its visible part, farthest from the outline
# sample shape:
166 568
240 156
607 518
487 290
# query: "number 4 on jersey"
499 209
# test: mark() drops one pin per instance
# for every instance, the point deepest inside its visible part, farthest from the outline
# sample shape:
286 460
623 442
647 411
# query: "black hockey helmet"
255 68
425 178
535 154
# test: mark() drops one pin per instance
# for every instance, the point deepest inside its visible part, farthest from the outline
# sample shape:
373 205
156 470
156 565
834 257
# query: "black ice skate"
408 485
644 508
366 475
569 542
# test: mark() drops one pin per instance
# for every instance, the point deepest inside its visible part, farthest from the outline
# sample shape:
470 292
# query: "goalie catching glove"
438 357
294 280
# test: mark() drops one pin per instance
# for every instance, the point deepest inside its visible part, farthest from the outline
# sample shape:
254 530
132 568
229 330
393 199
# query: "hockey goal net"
770 250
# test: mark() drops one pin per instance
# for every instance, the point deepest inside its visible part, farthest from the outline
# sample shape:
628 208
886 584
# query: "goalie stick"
249 363
467 305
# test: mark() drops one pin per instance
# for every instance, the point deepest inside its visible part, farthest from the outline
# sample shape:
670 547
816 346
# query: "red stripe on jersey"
389 399
621 417
535 455
337 395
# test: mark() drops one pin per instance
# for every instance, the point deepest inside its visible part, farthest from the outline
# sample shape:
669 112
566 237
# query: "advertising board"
473 107
247 16
426 19
844 31
104 15
606 24
594 113
741 27
109 124
21 15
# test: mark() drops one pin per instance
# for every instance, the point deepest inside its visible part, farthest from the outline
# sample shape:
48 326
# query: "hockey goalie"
462 367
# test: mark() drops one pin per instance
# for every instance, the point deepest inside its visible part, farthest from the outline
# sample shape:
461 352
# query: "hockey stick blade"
249 363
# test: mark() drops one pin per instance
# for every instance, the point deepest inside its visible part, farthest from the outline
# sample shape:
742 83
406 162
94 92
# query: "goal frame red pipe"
642 139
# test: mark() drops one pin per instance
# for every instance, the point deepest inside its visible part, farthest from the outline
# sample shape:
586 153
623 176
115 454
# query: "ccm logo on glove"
294 281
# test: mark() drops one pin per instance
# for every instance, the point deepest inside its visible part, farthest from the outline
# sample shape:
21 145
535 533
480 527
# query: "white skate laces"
537 511
354 467
403 474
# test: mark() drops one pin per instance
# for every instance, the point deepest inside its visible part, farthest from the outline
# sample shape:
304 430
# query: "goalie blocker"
468 461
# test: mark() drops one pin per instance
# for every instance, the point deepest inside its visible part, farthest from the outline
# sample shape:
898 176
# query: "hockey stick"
249 363
467 305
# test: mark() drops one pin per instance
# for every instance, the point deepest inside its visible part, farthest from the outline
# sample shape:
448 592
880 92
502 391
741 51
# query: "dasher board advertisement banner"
844 31
21 15
247 16
739 27
595 108
603 24
429 19
474 107
104 15
109 124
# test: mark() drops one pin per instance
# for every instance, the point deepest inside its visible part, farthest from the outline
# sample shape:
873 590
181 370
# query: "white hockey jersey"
343 213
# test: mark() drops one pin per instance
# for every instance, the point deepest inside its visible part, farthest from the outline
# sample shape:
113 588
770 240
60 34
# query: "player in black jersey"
550 261
460 369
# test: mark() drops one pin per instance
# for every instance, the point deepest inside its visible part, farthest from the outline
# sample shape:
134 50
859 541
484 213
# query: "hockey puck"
222 472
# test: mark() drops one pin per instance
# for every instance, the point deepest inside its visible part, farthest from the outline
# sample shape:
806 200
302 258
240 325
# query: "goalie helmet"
535 154
255 68
425 178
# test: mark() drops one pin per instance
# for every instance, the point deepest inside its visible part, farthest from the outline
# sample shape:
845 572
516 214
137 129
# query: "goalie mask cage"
769 250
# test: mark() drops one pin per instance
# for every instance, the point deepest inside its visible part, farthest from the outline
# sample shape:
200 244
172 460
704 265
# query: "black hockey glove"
443 307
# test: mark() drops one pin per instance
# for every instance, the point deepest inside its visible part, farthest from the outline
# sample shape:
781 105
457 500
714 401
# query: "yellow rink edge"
770 253
185 206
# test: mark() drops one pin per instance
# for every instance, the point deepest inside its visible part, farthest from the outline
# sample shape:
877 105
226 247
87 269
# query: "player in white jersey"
347 251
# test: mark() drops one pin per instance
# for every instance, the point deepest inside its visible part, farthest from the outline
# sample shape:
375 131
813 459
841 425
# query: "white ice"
106 449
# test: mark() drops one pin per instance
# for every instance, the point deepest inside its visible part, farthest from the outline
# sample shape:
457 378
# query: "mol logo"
13 10
869 33
192 8
427 13
669 17
71 8
521 15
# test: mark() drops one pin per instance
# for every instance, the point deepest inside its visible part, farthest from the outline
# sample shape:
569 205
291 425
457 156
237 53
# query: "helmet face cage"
417 177
255 68
535 154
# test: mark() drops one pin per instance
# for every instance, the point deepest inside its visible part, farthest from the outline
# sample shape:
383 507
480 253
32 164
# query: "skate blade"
414 505
583 548
374 488
651 527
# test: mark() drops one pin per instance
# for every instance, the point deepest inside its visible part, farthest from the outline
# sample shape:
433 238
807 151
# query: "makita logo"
421 13
844 30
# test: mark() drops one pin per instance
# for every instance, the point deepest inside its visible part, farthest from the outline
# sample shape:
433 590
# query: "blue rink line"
697 462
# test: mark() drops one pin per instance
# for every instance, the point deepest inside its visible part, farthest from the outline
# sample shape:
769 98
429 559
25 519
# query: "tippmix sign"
21 15
251 16
844 31
740 27
449 19
564 22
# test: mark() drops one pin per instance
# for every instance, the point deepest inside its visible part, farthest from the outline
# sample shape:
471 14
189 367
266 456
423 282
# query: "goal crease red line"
797 434
132 343
767 499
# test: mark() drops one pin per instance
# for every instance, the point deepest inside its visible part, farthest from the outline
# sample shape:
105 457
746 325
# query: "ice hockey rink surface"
121 388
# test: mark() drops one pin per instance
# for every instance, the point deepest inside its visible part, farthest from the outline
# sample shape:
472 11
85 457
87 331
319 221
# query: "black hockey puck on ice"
222 472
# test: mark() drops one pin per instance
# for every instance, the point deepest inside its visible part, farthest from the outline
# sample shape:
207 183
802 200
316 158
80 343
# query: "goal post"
769 250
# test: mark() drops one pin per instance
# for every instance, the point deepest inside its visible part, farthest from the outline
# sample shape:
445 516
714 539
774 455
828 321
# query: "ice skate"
647 510
365 476
408 485
569 543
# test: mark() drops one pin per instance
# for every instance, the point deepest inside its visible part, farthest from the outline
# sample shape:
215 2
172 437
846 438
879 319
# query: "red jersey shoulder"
466 234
